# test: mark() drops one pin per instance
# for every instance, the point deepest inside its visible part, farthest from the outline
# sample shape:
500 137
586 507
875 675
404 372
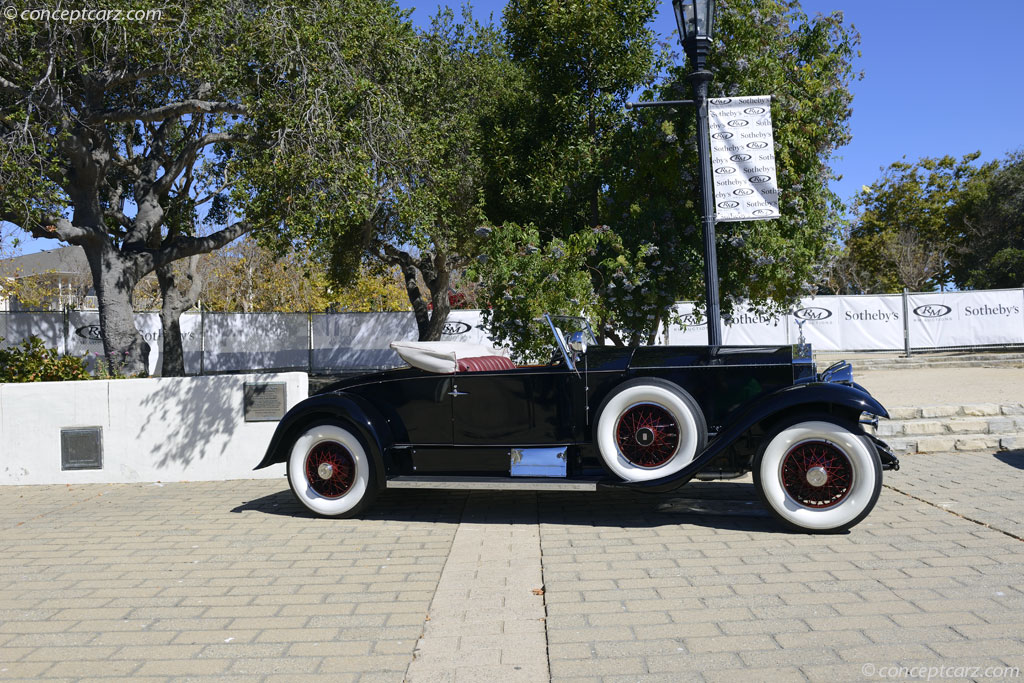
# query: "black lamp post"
696 27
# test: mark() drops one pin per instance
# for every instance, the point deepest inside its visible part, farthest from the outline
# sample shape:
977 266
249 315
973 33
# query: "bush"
31 361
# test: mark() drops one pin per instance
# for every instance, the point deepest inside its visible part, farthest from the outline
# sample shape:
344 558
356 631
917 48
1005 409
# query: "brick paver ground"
231 580
644 590
985 487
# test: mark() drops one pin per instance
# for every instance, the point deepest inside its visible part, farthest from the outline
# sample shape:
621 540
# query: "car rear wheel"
648 429
330 471
819 475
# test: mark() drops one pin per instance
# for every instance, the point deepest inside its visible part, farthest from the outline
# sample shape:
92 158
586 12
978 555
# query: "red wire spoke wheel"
330 469
648 428
817 474
647 435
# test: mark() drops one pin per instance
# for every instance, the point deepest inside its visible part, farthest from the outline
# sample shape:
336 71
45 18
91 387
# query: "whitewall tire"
818 475
648 429
330 471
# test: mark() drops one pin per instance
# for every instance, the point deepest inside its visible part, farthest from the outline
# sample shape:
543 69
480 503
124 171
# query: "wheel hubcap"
817 474
330 469
647 435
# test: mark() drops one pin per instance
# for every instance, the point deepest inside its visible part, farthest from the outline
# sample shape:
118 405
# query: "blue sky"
940 77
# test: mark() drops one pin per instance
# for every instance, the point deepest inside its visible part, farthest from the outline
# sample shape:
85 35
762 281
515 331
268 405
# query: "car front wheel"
330 471
818 475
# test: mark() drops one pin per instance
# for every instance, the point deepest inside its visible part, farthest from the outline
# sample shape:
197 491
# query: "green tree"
553 144
987 222
902 235
648 253
249 277
525 277
420 206
147 142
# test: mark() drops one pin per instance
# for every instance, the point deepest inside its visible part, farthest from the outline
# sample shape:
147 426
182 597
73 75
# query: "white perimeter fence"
341 342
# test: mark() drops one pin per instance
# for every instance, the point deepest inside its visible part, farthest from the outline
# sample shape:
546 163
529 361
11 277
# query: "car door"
522 407
419 409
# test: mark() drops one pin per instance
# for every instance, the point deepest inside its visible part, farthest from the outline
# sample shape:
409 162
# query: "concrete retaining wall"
162 429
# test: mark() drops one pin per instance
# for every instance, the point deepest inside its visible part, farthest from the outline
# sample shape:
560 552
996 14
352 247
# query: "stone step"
902 445
956 411
934 429
973 425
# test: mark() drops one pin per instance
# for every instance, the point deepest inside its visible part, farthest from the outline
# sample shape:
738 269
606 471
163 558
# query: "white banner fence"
343 342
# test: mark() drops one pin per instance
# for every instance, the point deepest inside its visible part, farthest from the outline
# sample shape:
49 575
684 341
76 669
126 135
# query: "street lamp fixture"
696 19
696 22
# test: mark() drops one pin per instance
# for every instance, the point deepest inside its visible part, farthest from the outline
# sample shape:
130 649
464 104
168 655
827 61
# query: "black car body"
679 413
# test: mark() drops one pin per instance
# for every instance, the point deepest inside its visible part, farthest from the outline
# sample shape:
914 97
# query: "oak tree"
147 142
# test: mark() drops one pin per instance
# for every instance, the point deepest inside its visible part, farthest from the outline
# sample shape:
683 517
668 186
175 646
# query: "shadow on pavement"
1012 458
718 505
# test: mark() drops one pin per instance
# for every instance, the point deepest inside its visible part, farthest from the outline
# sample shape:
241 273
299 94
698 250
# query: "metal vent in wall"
81 448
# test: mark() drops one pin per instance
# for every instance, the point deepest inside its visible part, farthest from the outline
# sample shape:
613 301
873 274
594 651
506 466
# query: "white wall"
161 429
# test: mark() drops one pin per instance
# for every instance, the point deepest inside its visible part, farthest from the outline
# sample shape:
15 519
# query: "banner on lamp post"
743 158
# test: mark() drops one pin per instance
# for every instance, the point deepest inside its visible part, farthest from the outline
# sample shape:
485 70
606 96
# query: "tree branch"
167 111
52 227
183 247
188 156
111 80
11 87
10 64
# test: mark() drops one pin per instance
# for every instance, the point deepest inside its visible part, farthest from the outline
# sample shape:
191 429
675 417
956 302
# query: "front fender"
352 411
815 395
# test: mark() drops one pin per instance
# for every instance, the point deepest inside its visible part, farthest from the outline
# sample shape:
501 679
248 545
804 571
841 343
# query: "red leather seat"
485 363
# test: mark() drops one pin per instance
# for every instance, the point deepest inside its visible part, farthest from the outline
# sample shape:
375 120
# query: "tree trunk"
437 274
174 303
436 271
126 352
438 316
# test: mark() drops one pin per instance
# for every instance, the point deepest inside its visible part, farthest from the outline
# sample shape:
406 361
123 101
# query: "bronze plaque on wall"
264 401
81 449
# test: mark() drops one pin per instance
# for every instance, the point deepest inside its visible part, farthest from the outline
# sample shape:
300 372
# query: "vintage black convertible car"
650 418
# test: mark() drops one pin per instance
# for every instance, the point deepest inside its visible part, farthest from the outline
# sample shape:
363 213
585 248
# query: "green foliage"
552 142
987 225
524 279
217 119
567 158
112 368
903 235
761 48
1004 270
31 361
336 109
414 201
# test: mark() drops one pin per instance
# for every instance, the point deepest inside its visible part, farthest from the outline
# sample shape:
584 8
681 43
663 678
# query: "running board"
491 483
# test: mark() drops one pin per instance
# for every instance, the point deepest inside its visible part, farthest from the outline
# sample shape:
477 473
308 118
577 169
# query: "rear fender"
346 409
811 397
